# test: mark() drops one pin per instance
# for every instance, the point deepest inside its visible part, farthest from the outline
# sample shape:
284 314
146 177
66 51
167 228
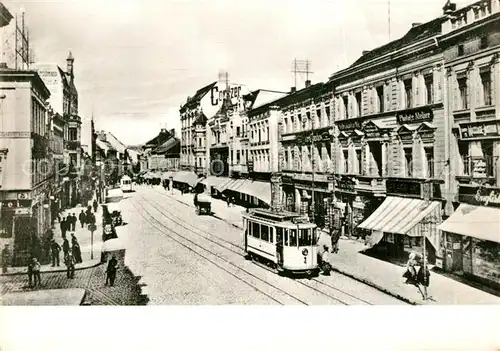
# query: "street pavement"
83 235
382 275
177 274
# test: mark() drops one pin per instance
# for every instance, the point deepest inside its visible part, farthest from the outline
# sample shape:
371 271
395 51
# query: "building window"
487 149
408 93
380 97
460 50
346 161
409 162
318 116
429 155
238 157
464 93
267 133
327 113
486 83
237 131
358 103
345 100
359 160
429 89
484 43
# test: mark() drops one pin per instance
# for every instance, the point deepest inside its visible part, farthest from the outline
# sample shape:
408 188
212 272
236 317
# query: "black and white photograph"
250 153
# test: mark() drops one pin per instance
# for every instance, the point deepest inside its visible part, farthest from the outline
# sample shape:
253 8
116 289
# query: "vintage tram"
282 240
126 184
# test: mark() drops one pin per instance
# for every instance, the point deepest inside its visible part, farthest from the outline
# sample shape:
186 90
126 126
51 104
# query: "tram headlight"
305 252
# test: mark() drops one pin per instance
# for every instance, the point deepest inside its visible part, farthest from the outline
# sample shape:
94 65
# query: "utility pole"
313 149
301 67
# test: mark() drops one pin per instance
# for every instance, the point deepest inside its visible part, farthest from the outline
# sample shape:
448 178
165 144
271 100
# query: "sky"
137 61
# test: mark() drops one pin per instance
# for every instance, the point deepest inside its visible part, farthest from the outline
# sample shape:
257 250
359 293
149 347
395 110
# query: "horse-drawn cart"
203 204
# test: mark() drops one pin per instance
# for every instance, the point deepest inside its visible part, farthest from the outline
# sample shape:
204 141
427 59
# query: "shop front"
407 221
288 193
471 235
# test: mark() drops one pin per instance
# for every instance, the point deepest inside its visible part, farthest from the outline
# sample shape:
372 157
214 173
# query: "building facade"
306 150
26 165
471 48
391 131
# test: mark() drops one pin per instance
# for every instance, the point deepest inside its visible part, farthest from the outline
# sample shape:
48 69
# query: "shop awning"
167 175
258 189
214 181
223 186
188 178
236 185
399 215
476 221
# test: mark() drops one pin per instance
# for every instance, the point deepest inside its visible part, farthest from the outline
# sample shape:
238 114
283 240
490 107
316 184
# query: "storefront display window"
486 260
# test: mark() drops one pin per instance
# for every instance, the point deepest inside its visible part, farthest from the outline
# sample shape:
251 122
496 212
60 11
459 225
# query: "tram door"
279 246
245 233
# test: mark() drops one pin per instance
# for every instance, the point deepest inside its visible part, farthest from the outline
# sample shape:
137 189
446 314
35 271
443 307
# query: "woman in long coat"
75 248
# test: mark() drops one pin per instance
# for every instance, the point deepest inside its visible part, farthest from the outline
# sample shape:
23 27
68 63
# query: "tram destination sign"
417 115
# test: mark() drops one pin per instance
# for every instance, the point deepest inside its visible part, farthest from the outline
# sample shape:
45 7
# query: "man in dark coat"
65 247
55 249
81 218
73 222
95 205
64 226
111 271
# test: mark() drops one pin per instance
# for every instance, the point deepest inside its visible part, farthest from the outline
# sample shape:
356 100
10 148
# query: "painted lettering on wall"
493 197
216 96
417 115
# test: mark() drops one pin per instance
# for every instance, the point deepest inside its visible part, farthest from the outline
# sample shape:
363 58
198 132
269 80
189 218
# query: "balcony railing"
479 166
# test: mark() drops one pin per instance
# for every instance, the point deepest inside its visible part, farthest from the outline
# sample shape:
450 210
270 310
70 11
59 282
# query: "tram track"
236 274
241 248
314 284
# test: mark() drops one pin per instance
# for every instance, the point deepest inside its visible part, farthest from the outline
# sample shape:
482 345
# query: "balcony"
371 184
478 167
72 145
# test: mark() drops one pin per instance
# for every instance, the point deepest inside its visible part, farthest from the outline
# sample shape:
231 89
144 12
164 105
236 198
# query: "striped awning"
189 178
475 221
258 189
223 186
236 185
399 215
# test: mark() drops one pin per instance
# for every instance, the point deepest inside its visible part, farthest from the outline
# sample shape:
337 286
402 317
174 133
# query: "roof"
168 147
197 97
5 16
415 34
163 136
14 75
201 119
117 144
104 145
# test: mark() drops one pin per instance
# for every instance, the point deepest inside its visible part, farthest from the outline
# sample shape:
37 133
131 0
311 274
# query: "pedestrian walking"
65 247
75 249
30 273
55 249
417 273
5 258
69 260
36 272
111 271
82 218
64 226
73 222
95 205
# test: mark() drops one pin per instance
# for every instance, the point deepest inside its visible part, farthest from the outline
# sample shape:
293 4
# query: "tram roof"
277 216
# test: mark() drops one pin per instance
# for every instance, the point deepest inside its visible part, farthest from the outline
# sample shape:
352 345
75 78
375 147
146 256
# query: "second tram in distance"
282 240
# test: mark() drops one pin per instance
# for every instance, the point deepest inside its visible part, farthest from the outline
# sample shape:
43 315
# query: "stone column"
276 192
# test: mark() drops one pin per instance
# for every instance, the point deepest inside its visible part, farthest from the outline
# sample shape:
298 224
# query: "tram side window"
264 232
271 234
256 230
293 237
305 237
285 239
279 235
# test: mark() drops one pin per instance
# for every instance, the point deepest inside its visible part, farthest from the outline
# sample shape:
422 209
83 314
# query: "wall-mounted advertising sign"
417 115
477 130
482 196
216 96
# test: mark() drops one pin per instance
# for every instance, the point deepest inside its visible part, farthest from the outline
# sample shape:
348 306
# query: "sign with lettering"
316 138
250 166
482 196
371 131
417 115
286 180
217 96
348 124
479 130
347 185
403 187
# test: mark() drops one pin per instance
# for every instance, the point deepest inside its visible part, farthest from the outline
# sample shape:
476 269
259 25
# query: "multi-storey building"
471 47
391 130
307 149
26 169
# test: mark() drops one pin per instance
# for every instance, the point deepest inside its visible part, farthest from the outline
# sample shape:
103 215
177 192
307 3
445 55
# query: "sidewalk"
51 297
382 275
83 236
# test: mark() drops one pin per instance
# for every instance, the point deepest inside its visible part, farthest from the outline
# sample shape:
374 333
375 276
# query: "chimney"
163 130
449 7
365 52
308 83
416 24
293 90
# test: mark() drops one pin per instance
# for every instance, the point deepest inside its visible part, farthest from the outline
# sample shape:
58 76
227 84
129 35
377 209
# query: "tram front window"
305 237
292 237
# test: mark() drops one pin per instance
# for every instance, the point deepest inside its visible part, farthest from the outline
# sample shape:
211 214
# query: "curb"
378 287
54 271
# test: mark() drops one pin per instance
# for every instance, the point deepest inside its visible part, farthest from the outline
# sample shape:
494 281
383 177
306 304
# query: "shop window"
486 84
429 89
408 93
429 155
359 103
380 97
464 93
256 230
5 224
